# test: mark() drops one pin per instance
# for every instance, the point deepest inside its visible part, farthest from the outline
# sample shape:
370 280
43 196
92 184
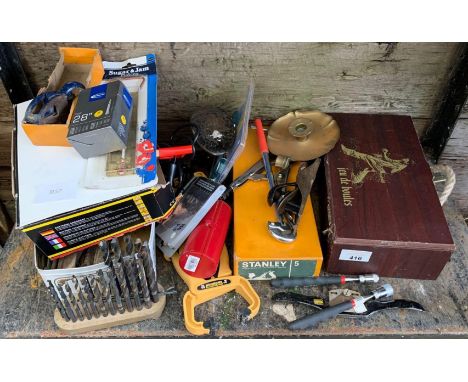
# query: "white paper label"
54 192
353 255
192 263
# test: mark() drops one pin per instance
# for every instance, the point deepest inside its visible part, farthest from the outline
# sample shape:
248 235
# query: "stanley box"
384 215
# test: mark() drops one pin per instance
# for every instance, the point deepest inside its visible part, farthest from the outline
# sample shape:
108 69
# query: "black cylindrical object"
325 314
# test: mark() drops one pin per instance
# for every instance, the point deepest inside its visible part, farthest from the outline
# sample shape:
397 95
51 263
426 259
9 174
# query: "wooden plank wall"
403 78
455 154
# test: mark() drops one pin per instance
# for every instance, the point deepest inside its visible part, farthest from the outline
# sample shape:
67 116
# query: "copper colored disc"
303 135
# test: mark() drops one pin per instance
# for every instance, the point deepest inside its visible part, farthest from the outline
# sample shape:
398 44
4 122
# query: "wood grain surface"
26 309
404 78
396 213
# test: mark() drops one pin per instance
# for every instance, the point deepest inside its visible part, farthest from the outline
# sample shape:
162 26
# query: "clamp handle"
237 283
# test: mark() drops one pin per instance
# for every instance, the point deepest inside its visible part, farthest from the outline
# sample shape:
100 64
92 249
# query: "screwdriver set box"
106 285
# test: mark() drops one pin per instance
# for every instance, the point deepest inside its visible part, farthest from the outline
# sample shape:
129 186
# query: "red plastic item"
261 136
176 151
202 250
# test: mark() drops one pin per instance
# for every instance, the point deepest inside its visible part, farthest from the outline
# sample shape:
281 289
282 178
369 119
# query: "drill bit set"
110 283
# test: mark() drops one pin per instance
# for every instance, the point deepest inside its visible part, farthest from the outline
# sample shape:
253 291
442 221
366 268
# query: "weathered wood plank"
6 109
455 154
342 77
5 143
26 309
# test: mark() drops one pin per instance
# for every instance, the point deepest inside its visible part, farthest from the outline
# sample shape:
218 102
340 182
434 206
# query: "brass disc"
303 135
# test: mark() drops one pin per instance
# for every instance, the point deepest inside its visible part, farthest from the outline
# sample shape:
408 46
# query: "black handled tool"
385 291
322 280
372 306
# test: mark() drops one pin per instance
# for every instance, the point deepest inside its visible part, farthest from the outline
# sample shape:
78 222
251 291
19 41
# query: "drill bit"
73 301
115 289
128 245
97 296
89 257
90 297
106 293
115 247
143 283
102 252
119 272
137 245
150 272
58 302
129 270
66 303
81 298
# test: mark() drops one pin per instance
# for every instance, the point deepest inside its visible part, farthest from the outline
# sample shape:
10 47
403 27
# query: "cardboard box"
75 64
49 183
53 202
257 255
383 212
101 120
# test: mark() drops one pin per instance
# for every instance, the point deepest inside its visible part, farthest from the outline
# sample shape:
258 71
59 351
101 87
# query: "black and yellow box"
257 255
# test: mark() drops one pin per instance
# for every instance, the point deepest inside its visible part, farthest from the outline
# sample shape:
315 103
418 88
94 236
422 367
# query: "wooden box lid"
379 186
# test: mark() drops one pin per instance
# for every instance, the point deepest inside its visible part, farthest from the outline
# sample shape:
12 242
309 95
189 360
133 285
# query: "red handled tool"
262 143
202 250
174 152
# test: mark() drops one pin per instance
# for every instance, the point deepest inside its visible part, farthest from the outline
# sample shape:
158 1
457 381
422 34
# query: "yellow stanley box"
257 255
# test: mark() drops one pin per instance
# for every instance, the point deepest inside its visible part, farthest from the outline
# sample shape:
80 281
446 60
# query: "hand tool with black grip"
322 280
357 303
66 303
115 290
130 272
81 298
143 282
106 293
262 143
98 296
372 306
58 302
119 272
73 302
150 272
90 296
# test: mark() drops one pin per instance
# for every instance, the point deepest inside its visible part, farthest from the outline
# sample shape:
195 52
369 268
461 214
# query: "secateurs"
203 290
356 306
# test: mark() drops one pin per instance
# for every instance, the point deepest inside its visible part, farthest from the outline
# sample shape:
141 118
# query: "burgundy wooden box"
383 212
